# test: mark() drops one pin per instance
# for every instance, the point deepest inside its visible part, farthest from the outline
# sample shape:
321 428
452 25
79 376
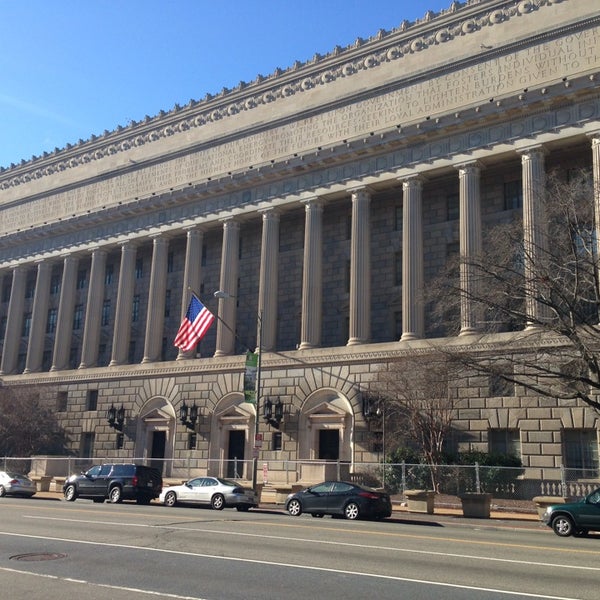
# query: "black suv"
115 481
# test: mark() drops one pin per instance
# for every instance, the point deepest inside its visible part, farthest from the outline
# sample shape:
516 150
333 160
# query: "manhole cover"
38 556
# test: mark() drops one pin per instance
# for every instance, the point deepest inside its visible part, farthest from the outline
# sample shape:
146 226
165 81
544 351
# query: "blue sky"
73 68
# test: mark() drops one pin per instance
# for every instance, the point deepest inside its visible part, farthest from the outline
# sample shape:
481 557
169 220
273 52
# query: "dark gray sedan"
349 500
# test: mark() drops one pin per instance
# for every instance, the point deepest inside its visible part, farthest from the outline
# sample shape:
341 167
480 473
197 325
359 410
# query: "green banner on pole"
250 377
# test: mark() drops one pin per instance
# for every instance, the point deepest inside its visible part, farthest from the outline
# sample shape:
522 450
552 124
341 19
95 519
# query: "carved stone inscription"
509 74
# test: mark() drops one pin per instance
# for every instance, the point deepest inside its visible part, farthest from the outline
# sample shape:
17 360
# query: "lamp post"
221 294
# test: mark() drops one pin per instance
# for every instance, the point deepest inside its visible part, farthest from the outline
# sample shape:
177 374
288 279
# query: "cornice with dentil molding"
409 38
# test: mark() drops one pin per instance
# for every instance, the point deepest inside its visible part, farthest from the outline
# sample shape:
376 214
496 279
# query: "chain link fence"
511 483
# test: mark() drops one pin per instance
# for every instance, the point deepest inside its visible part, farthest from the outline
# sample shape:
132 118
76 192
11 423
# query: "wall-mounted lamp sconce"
116 417
273 412
188 415
372 407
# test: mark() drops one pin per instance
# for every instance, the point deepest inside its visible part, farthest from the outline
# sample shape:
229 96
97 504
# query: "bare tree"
418 394
27 426
544 291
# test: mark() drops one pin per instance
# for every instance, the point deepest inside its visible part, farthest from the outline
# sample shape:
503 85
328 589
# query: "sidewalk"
400 512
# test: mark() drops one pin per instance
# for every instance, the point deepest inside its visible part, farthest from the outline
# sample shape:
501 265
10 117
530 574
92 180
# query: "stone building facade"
321 198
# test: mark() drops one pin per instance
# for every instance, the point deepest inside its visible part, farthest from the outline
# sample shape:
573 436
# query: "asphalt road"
53 550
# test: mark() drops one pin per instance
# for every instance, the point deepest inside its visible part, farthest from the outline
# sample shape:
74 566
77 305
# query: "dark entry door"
329 444
235 454
159 440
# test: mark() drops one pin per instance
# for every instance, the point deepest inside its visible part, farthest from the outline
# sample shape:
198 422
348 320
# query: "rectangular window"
119 441
580 451
170 262
78 317
105 313
51 322
504 441
109 273
192 440
61 401
277 441
135 313
3 322
26 325
131 354
30 288
86 447
398 218
73 355
81 279
452 207
139 268
513 195
204 253
91 402
55 284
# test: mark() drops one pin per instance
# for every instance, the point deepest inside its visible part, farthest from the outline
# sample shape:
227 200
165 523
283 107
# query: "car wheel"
170 499
2 491
317 515
115 495
351 511
563 526
294 508
218 502
70 493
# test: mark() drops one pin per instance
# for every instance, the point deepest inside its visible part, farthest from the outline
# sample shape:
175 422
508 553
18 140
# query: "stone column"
39 318
14 322
595 139
312 276
360 268
268 279
470 244
93 310
412 258
155 318
123 310
534 230
64 321
192 275
230 268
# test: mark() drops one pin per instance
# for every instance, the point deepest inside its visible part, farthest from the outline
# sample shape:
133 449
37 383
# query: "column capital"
315 202
469 165
412 181
195 228
270 213
361 189
531 150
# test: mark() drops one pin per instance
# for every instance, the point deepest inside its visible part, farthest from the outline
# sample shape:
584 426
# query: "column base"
356 341
408 336
306 346
469 331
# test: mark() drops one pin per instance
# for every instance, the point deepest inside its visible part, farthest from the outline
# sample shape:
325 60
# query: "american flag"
195 324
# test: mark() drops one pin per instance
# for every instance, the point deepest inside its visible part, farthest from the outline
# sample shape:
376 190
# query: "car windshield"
15 475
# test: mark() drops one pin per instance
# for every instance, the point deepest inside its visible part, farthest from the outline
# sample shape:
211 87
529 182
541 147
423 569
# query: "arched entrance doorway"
231 442
325 436
156 434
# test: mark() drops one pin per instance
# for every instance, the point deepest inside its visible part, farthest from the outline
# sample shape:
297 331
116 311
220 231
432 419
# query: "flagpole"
257 404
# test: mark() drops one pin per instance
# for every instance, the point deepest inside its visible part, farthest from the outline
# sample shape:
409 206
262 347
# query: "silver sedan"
16 484
212 491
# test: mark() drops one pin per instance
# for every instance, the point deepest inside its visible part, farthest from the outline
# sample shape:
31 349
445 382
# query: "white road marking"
330 543
285 565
